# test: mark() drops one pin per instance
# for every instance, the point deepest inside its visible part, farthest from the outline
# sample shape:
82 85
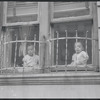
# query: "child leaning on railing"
31 60
80 57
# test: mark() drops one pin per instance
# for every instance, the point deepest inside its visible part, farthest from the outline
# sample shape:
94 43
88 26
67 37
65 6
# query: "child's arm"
24 62
73 63
37 60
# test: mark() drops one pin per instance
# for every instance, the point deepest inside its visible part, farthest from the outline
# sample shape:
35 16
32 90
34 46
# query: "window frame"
6 25
93 17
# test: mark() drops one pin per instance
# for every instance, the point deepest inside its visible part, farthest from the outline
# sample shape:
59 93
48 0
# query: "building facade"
53 28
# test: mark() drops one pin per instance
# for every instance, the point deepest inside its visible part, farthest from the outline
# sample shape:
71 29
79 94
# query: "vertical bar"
2 39
25 49
76 42
5 61
76 36
86 47
7 52
66 51
57 51
34 42
3 51
15 52
34 45
52 44
86 41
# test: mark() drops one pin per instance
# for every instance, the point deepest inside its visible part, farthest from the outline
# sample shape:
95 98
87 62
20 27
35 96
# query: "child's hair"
80 44
30 45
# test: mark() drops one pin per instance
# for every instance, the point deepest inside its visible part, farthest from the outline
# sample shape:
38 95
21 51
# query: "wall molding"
80 78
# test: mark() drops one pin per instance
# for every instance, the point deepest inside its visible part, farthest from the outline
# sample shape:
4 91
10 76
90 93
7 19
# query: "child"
80 57
31 60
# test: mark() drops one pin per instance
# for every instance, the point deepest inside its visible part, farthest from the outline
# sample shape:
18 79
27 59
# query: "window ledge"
66 78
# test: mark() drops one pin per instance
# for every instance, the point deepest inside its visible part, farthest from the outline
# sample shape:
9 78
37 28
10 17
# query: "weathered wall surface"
50 91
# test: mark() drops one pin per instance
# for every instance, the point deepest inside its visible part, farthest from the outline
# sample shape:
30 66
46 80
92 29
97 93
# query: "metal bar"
24 41
76 36
86 47
2 39
34 42
66 51
25 50
76 42
57 51
7 49
86 41
15 52
61 38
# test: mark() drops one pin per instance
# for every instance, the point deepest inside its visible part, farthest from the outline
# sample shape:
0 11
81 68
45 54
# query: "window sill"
66 78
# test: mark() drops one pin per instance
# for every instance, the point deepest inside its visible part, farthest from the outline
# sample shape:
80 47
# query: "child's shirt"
80 59
31 61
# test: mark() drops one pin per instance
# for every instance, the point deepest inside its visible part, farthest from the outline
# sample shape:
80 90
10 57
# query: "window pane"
22 11
84 32
18 40
70 9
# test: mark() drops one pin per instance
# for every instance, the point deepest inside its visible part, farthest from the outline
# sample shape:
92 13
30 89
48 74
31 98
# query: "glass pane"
89 51
16 47
70 9
82 27
22 11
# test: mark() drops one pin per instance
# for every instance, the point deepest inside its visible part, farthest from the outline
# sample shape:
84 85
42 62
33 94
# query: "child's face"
78 47
30 50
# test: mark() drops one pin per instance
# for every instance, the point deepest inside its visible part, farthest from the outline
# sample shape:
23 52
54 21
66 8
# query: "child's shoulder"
83 52
26 56
74 55
36 56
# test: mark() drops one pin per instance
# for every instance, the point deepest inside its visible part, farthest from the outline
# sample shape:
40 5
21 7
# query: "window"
65 36
16 40
71 24
18 34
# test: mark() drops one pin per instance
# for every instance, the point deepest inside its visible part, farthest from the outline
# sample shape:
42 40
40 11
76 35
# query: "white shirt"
31 61
80 59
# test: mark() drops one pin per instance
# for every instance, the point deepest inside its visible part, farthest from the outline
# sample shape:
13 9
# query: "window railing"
15 68
56 67
9 64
